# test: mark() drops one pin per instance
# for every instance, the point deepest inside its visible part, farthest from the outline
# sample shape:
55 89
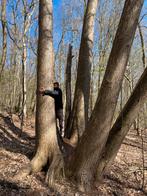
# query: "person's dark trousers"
59 116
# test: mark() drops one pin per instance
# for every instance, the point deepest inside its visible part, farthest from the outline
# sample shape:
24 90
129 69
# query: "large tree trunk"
94 138
46 142
68 89
47 139
123 123
4 31
79 116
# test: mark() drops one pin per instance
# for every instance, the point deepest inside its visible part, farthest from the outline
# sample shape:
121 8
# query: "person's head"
56 85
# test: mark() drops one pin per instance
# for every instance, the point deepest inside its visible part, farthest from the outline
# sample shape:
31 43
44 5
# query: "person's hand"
41 91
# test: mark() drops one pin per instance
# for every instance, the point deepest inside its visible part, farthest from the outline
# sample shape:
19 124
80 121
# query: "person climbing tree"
57 95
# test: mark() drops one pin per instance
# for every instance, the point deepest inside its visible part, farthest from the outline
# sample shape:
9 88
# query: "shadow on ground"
13 139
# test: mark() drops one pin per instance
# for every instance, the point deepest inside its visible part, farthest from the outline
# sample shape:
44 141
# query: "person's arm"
52 93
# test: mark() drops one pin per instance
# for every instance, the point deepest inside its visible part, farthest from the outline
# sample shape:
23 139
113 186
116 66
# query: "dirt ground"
127 176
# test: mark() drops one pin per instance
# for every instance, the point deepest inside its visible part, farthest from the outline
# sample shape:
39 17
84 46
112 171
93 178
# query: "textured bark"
123 123
142 46
47 138
91 104
46 143
144 66
4 33
94 138
68 88
14 73
79 116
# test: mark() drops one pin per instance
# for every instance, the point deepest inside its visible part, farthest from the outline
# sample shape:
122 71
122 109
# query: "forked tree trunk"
47 145
123 123
79 116
4 37
68 88
89 149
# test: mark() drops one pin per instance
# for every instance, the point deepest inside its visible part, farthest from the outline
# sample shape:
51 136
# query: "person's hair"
57 83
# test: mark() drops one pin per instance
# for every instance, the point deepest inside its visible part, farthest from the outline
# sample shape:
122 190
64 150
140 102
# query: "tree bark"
123 123
24 82
4 31
144 66
46 142
95 136
142 46
79 116
26 26
68 89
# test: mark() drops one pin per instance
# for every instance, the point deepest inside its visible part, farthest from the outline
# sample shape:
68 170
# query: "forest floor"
126 177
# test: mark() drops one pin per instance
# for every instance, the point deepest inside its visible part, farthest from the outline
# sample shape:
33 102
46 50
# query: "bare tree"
68 87
46 138
95 142
144 66
4 31
142 46
123 123
79 116
26 26
89 149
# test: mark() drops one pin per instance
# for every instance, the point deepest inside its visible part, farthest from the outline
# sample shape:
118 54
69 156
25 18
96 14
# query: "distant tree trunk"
4 33
123 123
79 116
89 149
68 88
91 93
14 76
24 84
142 46
26 26
144 66
46 142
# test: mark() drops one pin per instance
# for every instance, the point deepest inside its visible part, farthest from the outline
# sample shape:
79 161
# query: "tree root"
56 170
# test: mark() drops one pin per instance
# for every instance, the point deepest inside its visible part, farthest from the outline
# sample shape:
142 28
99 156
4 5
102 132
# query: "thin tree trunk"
26 26
14 76
95 136
123 123
68 88
142 46
24 84
79 116
144 66
91 93
4 31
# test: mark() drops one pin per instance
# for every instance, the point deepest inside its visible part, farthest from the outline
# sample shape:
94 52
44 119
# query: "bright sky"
57 21
57 2
57 11
57 6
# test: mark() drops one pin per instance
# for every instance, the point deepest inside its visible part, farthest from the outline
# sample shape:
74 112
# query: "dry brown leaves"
16 148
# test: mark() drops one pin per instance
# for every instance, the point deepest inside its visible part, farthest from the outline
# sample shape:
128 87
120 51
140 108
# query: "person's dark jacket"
57 95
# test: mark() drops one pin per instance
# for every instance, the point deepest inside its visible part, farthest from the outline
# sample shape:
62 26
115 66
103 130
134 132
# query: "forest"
73 97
